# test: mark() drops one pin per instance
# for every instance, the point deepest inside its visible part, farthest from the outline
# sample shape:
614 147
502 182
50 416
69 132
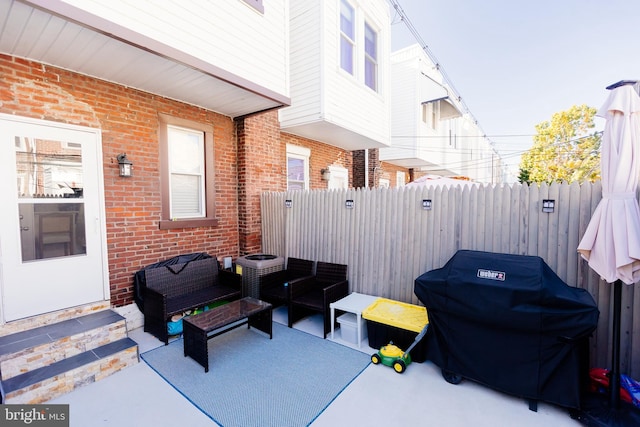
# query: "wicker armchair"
315 293
272 287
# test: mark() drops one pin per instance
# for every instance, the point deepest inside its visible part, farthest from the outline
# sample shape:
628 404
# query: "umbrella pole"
614 381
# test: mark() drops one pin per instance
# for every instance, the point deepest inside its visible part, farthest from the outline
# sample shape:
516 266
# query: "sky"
515 63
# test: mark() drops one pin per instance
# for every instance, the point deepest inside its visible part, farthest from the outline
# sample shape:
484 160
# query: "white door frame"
10 253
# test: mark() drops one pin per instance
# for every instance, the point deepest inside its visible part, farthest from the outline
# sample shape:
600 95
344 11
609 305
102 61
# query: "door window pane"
50 198
48 169
51 230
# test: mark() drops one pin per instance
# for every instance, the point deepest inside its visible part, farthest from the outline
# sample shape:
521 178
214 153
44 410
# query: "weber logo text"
490 274
34 415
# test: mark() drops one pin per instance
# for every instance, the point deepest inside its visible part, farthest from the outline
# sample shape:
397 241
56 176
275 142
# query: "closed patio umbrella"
611 242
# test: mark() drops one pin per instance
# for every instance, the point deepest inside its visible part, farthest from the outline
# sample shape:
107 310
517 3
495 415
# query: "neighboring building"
340 52
430 131
340 106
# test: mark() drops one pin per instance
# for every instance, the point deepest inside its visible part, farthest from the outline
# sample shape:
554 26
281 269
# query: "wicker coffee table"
198 329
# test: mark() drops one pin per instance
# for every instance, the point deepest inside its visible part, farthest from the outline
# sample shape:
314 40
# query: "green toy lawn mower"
391 355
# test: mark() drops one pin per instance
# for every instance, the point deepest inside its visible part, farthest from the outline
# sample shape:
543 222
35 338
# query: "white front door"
52 244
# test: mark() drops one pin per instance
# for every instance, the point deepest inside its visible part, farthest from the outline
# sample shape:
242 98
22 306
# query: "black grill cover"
509 322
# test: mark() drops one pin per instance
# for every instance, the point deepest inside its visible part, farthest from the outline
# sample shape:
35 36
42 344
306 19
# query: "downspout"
366 167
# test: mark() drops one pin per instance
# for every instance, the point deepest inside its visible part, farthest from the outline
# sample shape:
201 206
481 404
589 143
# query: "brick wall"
128 120
359 163
322 156
262 166
376 169
389 171
250 158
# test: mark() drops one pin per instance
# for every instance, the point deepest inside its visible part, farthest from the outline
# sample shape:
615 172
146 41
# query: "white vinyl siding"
348 101
420 138
327 103
306 64
227 34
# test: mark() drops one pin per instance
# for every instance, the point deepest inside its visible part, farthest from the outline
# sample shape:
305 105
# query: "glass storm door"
52 229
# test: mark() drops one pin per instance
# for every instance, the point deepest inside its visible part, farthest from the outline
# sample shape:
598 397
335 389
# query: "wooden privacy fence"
387 238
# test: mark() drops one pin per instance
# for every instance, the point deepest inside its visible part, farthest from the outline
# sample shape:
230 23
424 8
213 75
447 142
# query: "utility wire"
414 32
465 163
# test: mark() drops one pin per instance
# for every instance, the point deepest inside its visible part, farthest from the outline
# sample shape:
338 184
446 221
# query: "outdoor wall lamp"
548 205
326 174
426 204
125 165
349 204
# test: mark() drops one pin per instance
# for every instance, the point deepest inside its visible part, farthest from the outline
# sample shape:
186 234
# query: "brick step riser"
43 355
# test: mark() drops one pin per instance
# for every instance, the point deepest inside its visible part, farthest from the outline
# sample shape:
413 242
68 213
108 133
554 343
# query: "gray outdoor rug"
254 381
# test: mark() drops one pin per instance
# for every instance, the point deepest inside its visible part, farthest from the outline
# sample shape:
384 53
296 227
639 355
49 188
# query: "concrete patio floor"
139 397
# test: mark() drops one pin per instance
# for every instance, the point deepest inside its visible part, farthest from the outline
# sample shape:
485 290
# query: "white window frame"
199 174
430 114
300 153
369 60
345 39
256 4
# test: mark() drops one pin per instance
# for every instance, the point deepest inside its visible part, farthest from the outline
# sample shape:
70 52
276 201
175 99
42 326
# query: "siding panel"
227 34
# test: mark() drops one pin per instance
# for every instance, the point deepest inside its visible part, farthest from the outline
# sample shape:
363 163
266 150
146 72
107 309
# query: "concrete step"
41 363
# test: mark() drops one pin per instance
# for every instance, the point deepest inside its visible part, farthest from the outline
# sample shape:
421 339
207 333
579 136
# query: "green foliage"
564 149
523 177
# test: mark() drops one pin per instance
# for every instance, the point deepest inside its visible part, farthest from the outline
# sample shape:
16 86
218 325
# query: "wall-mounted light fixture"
288 203
548 205
349 204
426 204
125 165
326 174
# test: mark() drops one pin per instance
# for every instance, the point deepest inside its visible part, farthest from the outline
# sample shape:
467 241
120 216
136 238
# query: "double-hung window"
297 167
186 154
186 172
370 57
256 4
347 36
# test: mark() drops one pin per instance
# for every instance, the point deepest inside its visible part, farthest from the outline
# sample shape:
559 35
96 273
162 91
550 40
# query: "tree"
566 148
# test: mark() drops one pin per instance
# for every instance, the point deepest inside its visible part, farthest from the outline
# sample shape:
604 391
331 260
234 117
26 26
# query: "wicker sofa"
174 289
